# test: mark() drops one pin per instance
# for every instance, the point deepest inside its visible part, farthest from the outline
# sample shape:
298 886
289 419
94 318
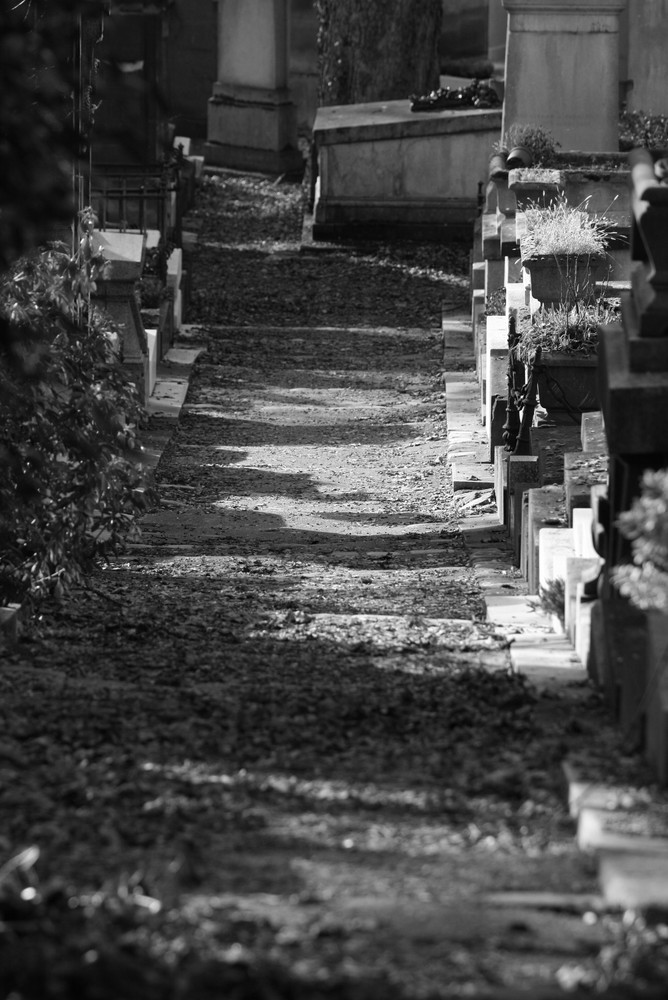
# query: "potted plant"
529 145
564 251
560 343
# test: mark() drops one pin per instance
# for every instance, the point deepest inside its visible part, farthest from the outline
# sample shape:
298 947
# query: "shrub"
638 128
69 418
645 525
539 141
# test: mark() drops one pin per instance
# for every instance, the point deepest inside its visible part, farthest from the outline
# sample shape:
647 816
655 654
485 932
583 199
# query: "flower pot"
567 383
498 165
519 156
565 278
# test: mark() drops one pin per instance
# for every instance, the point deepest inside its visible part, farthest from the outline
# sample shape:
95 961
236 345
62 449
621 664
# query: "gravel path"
280 711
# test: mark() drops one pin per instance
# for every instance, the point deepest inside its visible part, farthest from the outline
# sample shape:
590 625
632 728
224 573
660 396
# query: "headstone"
251 117
551 49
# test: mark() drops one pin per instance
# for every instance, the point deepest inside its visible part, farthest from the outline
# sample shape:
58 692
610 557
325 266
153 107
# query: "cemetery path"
277 731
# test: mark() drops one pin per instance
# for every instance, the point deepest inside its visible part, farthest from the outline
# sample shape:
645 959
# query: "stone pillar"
251 118
562 66
497 29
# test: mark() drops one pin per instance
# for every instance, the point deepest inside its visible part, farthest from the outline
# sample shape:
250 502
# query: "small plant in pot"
564 250
529 145
560 343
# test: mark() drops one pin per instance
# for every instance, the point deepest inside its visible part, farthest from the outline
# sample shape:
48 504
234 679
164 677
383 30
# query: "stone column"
497 29
251 118
562 67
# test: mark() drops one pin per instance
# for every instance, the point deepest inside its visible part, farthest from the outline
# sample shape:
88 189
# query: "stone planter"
599 184
518 157
557 278
567 384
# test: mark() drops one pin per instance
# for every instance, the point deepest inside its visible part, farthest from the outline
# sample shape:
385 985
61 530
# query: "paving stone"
633 881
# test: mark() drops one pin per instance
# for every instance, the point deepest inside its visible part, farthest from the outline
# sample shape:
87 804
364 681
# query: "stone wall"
645 74
191 64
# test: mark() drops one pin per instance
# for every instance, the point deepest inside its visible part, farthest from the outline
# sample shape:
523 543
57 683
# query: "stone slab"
545 508
516 297
592 432
555 546
550 442
633 881
583 528
521 610
457 334
578 571
152 342
582 471
603 830
168 398
501 457
472 475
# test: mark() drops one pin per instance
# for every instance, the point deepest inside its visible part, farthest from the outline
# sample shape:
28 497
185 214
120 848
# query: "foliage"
69 418
639 128
645 525
553 599
571 330
152 286
37 123
495 302
561 229
478 94
538 140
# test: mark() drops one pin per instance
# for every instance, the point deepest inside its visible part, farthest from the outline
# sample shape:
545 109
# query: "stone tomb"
380 165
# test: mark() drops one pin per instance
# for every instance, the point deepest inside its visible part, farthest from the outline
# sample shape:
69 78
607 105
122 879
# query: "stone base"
252 129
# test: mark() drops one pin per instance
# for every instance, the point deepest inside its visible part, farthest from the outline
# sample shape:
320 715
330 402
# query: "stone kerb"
552 46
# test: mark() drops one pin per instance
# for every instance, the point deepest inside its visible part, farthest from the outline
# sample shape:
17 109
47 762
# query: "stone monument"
562 69
251 117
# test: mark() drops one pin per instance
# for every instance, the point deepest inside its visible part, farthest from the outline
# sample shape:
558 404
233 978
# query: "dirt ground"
277 728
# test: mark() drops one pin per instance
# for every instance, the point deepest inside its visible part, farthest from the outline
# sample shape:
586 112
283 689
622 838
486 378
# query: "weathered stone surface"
380 163
550 51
